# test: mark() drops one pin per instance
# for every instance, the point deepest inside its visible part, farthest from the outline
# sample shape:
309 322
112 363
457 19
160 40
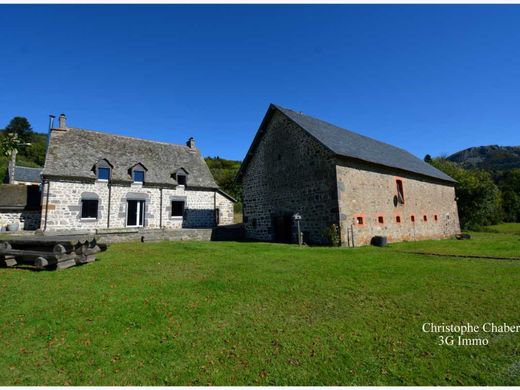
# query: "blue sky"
431 79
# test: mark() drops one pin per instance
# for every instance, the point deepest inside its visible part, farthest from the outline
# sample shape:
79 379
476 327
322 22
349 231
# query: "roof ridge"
342 128
127 136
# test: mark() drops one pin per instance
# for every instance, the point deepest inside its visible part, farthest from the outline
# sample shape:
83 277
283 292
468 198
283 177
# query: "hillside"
28 156
491 158
224 172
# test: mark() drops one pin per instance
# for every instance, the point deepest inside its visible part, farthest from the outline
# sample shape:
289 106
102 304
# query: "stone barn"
94 181
332 176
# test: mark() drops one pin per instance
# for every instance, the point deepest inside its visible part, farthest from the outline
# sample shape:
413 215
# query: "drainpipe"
160 209
109 197
47 205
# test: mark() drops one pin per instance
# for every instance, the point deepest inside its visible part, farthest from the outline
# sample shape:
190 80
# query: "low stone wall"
146 235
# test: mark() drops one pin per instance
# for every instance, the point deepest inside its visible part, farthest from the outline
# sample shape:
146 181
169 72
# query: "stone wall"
150 235
290 172
64 206
367 193
27 219
225 209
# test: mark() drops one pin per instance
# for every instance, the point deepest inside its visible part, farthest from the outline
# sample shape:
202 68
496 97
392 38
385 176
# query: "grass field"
197 313
507 228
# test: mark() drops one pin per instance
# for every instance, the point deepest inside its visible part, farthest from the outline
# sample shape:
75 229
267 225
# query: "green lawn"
197 313
507 228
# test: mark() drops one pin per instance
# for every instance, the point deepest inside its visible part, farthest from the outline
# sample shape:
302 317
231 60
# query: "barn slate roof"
346 143
73 152
27 174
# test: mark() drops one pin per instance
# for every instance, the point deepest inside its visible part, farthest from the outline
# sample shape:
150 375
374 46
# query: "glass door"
135 213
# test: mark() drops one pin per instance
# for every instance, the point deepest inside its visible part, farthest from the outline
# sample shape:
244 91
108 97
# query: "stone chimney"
191 143
62 122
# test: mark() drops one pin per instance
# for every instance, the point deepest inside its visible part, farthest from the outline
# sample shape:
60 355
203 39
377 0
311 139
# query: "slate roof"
73 152
345 143
27 174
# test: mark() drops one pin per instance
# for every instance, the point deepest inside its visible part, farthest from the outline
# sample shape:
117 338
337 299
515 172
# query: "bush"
332 235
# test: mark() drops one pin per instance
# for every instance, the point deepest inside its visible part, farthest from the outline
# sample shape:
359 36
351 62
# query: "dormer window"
103 170
103 174
181 180
181 176
138 172
138 176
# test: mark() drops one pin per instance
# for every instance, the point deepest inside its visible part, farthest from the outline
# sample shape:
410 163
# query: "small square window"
398 219
412 218
103 173
425 218
181 180
89 208
435 217
380 219
139 176
359 220
177 208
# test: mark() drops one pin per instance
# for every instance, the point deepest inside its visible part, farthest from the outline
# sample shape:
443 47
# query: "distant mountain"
492 157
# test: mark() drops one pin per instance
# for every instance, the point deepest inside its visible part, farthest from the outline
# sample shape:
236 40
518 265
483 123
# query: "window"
398 219
380 219
89 208
400 192
425 218
435 217
359 220
412 218
181 180
177 208
138 176
103 174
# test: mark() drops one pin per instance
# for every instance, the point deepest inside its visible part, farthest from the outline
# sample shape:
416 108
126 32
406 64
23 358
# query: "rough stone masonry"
331 176
94 180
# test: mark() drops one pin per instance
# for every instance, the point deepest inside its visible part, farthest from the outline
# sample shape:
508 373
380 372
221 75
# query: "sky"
432 79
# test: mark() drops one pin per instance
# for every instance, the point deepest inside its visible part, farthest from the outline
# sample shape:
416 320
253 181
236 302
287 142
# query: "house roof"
26 174
73 152
346 143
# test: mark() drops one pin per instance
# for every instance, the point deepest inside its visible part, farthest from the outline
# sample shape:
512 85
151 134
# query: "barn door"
282 229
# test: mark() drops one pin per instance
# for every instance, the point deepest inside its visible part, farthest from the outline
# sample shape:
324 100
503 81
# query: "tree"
509 185
428 158
479 199
8 143
20 126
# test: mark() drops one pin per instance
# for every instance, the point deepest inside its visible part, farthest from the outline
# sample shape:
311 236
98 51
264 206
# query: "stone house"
96 181
329 175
